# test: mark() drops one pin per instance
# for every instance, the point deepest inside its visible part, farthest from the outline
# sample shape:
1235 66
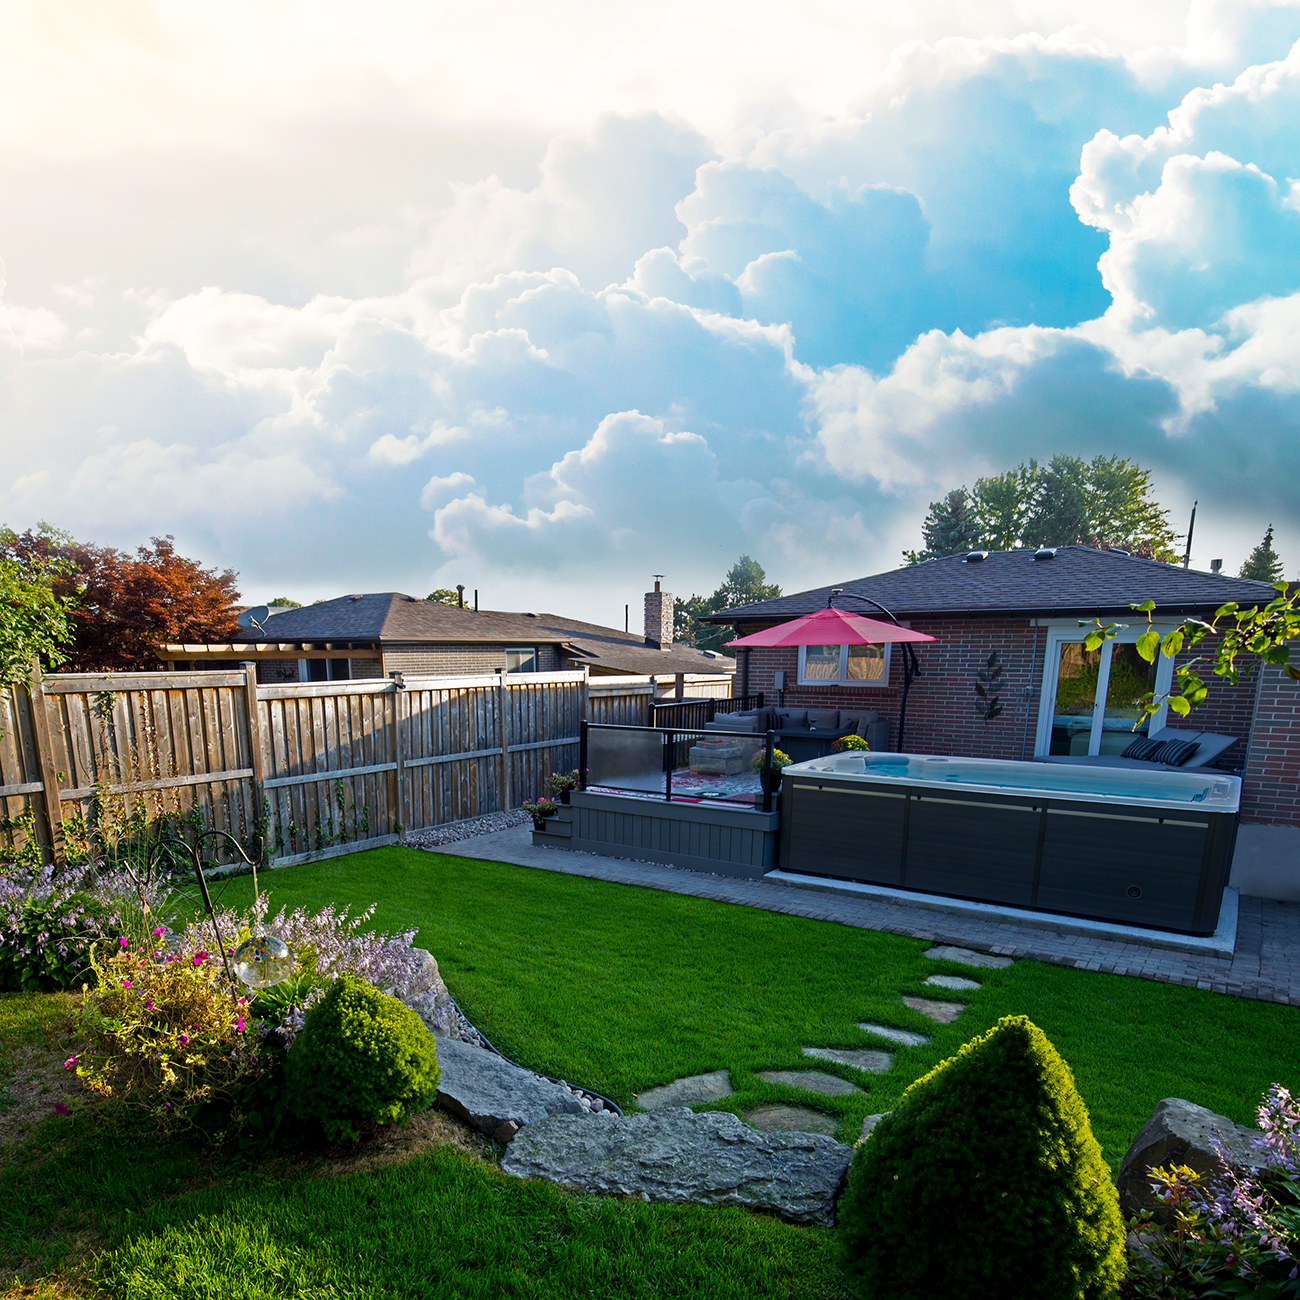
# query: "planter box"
721 839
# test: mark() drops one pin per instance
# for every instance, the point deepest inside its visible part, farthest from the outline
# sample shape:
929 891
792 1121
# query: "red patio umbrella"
831 626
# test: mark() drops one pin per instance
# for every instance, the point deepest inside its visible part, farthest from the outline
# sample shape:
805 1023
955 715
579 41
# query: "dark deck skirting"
717 838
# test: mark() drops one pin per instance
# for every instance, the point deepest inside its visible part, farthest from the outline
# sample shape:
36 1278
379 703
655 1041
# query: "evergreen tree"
1263 563
744 584
950 528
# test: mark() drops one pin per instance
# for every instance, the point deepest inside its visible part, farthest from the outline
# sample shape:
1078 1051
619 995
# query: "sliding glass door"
1092 698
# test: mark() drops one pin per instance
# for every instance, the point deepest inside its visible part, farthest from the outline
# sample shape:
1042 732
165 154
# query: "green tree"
1108 501
744 584
950 528
35 622
1263 563
443 596
284 603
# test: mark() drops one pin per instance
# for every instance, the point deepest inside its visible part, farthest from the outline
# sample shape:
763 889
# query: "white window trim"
1060 631
841 680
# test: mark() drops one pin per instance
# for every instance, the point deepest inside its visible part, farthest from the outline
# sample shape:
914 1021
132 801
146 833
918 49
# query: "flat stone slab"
869 1123
906 1037
829 1085
953 983
969 957
791 1119
943 1013
868 1061
678 1156
490 1093
688 1091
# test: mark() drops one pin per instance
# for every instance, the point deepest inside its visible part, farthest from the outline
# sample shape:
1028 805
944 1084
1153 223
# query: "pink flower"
126 984
239 1024
122 941
60 1108
158 933
148 1004
70 1063
199 958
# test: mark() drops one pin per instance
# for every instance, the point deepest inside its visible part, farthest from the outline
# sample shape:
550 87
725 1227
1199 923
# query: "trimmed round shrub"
360 1057
985 1181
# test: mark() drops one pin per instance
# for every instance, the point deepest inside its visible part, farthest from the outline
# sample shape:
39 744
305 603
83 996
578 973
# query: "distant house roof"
1076 580
389 618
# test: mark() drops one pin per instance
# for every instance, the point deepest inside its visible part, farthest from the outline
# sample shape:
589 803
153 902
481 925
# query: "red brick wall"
1271 784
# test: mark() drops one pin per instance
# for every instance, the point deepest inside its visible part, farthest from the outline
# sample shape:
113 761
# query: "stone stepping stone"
676 1155
829 1085
969 957
943 1013
953 983
869 1123
867 1061
791 1119
687 1092
905 1037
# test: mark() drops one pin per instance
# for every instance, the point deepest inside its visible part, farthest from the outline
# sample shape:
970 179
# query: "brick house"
1019 612
368 636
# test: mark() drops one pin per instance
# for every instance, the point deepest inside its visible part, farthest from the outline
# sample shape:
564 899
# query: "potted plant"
771 779
540 811
562 783
845 743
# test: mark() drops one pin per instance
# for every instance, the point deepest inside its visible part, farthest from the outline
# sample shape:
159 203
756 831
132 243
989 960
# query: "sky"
545 299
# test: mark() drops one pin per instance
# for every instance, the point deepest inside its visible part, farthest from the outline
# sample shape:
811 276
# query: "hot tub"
1150 849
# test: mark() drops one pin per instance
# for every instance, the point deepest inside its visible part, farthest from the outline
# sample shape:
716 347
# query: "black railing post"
582 755
670 752
768 747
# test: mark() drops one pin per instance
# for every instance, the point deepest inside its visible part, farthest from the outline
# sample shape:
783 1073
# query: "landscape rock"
678 1156
829 1085
954 983
687 1092
426 978
969 957
870 1122
1181 1133
868 1061
488 1092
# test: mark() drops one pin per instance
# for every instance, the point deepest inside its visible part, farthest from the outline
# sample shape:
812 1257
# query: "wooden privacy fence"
314 769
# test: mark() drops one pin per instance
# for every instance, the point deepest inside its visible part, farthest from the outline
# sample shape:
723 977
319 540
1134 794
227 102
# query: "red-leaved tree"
127 607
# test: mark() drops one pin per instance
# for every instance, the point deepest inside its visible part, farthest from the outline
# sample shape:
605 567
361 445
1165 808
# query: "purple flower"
184 1040
60 1108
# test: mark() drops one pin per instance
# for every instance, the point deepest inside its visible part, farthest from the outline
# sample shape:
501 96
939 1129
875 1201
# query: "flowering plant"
165 1030
540 810
845 743
780 760
562 781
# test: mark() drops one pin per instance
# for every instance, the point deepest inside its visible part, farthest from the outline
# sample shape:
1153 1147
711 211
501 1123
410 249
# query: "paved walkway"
1265 965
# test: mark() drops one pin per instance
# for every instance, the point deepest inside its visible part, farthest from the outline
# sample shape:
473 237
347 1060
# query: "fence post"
44 738
399 752
679 681
502 710
584 693
256 753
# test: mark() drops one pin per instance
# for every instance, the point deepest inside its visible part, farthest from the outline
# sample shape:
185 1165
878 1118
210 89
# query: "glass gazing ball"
263 960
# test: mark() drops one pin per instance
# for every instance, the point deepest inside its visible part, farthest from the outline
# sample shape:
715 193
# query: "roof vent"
974 557
354 597
1118 550
530 615
1045 553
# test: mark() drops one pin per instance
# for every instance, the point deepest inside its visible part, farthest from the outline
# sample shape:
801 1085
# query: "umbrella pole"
911 665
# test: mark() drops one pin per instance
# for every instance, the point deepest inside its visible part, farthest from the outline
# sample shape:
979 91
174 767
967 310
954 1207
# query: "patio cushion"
858 722
823 719
791 719
1210 744
1174 753
1142 747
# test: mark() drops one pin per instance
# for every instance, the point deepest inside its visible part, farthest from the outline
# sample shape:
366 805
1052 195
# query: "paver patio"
1265 964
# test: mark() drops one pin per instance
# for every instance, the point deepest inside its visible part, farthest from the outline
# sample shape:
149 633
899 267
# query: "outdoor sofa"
808 733
1169 747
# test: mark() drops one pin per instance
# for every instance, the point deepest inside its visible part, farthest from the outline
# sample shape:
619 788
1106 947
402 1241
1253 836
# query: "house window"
324 670
843 665
1092 698
521 659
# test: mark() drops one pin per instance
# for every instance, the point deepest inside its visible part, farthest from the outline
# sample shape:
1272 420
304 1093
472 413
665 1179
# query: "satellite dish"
254 617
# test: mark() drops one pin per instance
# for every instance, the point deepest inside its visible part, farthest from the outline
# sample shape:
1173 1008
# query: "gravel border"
436 836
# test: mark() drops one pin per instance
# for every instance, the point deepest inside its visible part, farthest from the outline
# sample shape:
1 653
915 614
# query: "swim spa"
1149 849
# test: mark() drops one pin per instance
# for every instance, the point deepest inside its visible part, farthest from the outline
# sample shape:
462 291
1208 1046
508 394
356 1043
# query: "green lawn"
618 989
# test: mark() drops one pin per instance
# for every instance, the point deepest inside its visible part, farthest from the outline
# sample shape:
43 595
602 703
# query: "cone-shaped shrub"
985 1181
360 1056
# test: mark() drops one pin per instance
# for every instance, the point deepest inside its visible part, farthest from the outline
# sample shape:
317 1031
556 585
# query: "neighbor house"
373 635
1008 676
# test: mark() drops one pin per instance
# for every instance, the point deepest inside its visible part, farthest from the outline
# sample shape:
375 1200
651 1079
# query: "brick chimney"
659 617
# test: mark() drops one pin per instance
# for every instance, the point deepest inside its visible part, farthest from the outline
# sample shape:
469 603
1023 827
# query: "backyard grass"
619 989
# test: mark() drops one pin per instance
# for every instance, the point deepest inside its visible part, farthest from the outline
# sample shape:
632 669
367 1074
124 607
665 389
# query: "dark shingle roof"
1077 580
390 617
